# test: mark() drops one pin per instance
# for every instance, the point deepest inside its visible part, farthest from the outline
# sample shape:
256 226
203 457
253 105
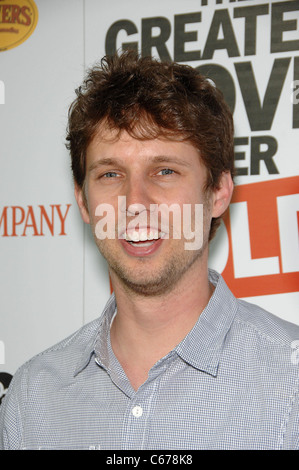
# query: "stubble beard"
142 280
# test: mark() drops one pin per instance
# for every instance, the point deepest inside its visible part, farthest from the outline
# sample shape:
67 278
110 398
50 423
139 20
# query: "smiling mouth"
142 241
143 236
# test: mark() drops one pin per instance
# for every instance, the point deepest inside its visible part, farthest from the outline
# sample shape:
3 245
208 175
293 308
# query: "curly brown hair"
149 99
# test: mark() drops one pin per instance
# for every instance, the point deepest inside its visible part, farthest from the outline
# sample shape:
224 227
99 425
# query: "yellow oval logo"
18 19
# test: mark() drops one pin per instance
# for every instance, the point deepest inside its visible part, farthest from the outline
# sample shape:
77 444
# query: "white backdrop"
52 279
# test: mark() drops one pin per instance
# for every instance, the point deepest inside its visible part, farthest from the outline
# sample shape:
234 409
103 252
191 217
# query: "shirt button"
137 411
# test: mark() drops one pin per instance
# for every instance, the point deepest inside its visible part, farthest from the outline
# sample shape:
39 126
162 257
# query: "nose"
138 196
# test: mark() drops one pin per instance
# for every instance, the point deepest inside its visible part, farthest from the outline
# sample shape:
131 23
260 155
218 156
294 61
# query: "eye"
110 174
108 177
166 171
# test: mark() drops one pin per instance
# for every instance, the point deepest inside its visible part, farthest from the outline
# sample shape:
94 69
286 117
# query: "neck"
146 328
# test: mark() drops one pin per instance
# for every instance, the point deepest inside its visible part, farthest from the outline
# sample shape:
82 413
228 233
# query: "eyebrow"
156 159
170 159
103 162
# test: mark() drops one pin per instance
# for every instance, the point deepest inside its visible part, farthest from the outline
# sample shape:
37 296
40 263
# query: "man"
175 361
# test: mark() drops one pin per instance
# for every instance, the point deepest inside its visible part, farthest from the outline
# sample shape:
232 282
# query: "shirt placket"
141 404
140 413
138 416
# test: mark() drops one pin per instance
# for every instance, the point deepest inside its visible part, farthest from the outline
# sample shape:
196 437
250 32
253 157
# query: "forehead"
109 141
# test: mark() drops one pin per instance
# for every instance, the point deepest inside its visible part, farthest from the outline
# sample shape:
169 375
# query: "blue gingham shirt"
232 383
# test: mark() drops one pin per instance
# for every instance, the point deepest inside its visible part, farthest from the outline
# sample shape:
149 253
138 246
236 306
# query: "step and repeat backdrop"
52 279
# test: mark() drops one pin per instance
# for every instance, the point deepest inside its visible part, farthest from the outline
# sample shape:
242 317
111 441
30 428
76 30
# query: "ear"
222 194
82 204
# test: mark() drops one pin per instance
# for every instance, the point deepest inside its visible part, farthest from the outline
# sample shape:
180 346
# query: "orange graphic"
18 20
273 221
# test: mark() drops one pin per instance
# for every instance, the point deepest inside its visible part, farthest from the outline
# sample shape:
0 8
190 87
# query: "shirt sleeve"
12 412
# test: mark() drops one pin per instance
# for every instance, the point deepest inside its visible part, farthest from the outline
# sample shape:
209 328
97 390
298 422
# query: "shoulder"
61 360
252 319
68 351
39 377
265 324
274 341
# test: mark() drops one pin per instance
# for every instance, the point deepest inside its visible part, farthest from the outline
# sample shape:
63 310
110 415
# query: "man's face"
147 254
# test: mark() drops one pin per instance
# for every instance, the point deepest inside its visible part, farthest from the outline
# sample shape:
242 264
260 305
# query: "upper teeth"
142 235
